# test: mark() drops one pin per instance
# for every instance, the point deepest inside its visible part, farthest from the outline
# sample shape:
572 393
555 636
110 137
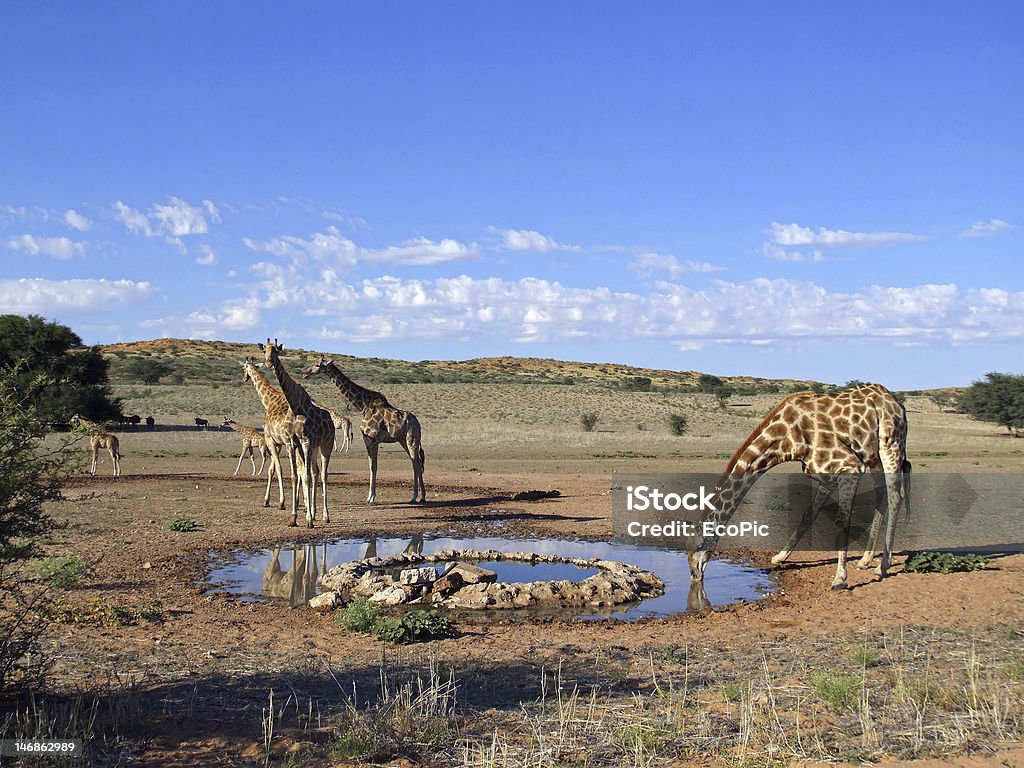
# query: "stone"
393 595
328 601
447 585
472 574
416 576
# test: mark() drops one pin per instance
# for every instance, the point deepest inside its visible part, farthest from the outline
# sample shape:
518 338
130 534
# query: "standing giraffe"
314 432
863 429
381 423
342 430
252 441
278 430
100 438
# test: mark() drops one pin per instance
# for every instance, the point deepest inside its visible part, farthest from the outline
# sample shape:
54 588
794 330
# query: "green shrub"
359 616
678 424
589 421
945 562
63 572
414 627
184 524
841 691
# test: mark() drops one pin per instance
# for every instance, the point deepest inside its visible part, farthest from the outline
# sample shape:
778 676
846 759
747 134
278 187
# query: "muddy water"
290 572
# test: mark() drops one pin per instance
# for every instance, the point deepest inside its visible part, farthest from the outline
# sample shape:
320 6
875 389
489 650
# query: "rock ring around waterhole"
411 579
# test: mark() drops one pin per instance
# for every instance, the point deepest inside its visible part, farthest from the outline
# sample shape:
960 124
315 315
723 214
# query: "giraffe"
342 430
863 429
99 438
381 423
252 441
314 433
278 429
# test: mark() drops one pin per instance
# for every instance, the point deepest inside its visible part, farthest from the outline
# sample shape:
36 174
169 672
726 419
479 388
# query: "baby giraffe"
252 441
100 438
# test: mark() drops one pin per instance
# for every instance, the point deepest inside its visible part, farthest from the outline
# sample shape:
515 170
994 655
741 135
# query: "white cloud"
986 228
529 240
36 295
334 248
174 219
779 253
75 220
421 251
649 263
209 258
795 235
55 247
134 220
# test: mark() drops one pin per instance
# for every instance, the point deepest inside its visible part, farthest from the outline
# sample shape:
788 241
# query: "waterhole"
291 572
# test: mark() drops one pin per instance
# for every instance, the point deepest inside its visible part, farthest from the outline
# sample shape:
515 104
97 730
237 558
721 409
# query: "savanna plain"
158 669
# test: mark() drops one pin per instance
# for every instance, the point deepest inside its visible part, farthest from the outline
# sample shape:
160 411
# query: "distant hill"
219 362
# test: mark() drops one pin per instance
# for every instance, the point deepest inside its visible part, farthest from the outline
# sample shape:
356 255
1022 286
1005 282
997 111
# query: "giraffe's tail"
905 471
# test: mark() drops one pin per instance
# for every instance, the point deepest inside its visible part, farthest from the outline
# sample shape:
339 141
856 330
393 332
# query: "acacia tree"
1000 398
74 377
32 473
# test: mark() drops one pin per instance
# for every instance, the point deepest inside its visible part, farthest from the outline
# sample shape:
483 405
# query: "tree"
147 370
678 424
32 473
74 377
589 420
999 399
708 383
722 393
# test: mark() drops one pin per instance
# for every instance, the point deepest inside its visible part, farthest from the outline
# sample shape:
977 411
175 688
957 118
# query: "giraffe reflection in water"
298 584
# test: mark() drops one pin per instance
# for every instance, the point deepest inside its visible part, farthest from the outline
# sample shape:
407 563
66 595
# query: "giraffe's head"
698 560
320 366
270 351
228 422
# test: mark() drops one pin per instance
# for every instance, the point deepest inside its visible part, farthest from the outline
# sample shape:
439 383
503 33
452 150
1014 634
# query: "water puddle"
290 572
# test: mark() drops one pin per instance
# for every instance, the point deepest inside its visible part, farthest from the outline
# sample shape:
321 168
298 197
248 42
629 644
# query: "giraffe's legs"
897 479
115 459
415 453
275 468
245 449
371 452
264 452
846 489
325 460
95 455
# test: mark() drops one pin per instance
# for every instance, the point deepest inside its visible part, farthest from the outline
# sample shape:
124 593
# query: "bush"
841 691
945 562
359 616
32 474
64 572
678 424
147 371
53 372
414 627
589 421
183 524
999 399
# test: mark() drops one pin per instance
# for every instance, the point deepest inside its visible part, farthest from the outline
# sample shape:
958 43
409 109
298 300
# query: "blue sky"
786 189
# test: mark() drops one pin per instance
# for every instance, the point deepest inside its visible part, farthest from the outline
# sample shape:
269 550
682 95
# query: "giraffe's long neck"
755 457
358 396
298 398
269 395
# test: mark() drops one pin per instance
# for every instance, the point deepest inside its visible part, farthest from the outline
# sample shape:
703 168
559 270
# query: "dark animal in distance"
203 423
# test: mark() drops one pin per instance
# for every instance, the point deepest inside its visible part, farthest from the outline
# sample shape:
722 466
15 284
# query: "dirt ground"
202 675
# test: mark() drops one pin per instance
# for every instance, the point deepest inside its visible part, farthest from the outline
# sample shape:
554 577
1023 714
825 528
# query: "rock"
447 585
416 576
328 601
393 595
473 574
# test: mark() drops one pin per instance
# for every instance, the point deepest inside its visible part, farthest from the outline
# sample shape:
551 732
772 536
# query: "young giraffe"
99 438
314 432
342 430
252 441
863 429
381 423
278 430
